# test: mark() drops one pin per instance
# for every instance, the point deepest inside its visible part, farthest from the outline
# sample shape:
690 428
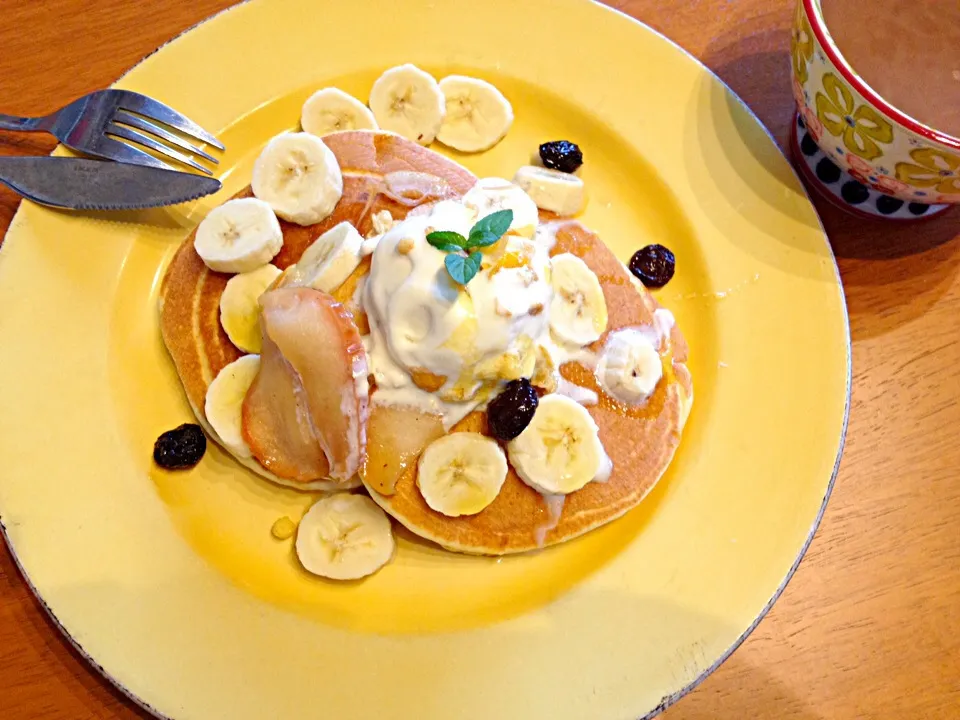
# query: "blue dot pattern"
844 188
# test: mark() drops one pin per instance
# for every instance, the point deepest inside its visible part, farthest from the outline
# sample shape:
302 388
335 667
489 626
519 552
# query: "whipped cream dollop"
446 348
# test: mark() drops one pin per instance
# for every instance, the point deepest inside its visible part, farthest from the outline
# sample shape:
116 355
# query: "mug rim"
819 27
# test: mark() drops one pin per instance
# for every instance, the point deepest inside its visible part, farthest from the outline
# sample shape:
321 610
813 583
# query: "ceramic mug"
882 150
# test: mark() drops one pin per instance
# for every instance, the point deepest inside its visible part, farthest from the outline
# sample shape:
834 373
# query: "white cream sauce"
554 509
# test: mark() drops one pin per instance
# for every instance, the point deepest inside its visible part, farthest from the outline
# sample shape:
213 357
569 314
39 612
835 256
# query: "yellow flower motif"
934 169
860 127
801 46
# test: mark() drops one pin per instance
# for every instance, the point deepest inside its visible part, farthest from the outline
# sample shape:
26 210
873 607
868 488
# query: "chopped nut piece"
382 221
426 380
545 374
283 529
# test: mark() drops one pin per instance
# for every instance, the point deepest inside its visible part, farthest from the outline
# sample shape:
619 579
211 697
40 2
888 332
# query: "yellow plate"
172 584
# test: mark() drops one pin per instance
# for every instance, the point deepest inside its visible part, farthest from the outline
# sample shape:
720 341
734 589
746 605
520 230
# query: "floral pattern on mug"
814 126
889 185
801 45
892 157
931 168
859 169
861 166
798 93
862 128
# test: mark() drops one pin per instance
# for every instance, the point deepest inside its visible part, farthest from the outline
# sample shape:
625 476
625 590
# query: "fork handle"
23 124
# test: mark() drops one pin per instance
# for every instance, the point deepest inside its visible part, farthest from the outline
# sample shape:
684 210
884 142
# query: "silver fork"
96 123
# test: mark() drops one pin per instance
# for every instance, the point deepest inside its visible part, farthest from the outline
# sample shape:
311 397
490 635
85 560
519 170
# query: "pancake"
190 293
641 441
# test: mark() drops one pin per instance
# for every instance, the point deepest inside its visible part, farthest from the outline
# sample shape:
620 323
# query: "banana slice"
329 260
344 537
578 312
560 450
629 367
224 402
298 176
239 309
238 236
461 473
492 194
407 101
332 110
558 192
478 116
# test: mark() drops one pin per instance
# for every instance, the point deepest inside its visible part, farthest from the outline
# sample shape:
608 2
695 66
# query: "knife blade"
83 184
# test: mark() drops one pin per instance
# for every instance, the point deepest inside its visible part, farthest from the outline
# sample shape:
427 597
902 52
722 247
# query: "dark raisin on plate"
561 155
512 410
180 448
654 265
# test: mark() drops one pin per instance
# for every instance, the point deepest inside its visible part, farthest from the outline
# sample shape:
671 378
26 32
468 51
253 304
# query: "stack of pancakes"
640 441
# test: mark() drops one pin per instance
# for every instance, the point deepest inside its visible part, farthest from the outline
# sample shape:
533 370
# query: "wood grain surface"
870 625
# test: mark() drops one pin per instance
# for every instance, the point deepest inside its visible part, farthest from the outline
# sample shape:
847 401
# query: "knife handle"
23 124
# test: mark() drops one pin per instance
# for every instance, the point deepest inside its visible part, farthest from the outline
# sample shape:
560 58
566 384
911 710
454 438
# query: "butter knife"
83 184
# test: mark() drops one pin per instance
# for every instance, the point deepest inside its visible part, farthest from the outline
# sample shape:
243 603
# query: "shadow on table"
87 687
755 62
856 238
744 689
892 272
733 164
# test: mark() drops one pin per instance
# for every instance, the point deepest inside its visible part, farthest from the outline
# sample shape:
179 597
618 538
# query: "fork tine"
110 149
156 110
146 141
138 122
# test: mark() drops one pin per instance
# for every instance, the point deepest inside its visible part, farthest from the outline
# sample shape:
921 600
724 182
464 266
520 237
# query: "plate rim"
671 699
668 700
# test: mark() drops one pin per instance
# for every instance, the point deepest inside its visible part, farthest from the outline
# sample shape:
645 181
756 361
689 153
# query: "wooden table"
870 625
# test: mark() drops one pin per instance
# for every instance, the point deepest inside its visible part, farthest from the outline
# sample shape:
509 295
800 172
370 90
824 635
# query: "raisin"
654 265
512 410
561 155
180 448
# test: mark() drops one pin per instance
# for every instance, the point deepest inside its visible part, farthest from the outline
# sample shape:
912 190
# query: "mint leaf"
446 240
481 239
457 267
489 229
462 269
474 261
447 247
